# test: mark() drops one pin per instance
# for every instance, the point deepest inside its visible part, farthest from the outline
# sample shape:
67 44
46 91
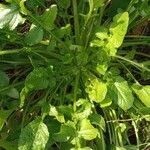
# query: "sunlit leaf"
143 93
97 120
96 90
87 131
34 136
10 16
124 94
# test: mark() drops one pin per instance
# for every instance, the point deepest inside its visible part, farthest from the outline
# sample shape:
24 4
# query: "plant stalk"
76 21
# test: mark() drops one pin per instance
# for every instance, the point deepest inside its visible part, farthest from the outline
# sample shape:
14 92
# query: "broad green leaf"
34 136
87 131
102 68
49 16
4 79
143 93
112 39
102 37
96 90
124 94
13 93
106 102
54 112
10 16
118 29
39 79
66 132
66 110
34 36
48 109
97 120
3 116
84 109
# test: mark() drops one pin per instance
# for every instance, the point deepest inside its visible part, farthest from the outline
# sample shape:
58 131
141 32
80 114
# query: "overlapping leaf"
10 16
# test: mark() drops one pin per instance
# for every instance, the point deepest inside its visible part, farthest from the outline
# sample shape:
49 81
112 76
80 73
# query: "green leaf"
118 29
66 132
49 16
54 112
124 94
13 93
84 109
106 102
97 120
34 136
9 16
96 90
3 116
39 79
143 93
34 36
4 79
87 131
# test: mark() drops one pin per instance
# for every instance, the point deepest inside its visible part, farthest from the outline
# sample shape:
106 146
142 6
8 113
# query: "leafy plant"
70 75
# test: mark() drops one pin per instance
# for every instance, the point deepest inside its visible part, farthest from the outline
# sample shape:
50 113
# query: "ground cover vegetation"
74 75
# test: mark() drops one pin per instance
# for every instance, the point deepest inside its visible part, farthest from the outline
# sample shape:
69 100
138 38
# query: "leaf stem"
9 51
132 63
75 92
76 21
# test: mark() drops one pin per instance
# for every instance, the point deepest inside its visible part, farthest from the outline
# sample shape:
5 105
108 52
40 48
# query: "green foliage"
34 136
10 16
143 93
124 94
4 79
71 76
34 36
87 131
49 17
39 78
97 90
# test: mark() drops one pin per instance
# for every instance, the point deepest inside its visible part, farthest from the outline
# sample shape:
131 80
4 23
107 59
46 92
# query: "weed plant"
72 75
